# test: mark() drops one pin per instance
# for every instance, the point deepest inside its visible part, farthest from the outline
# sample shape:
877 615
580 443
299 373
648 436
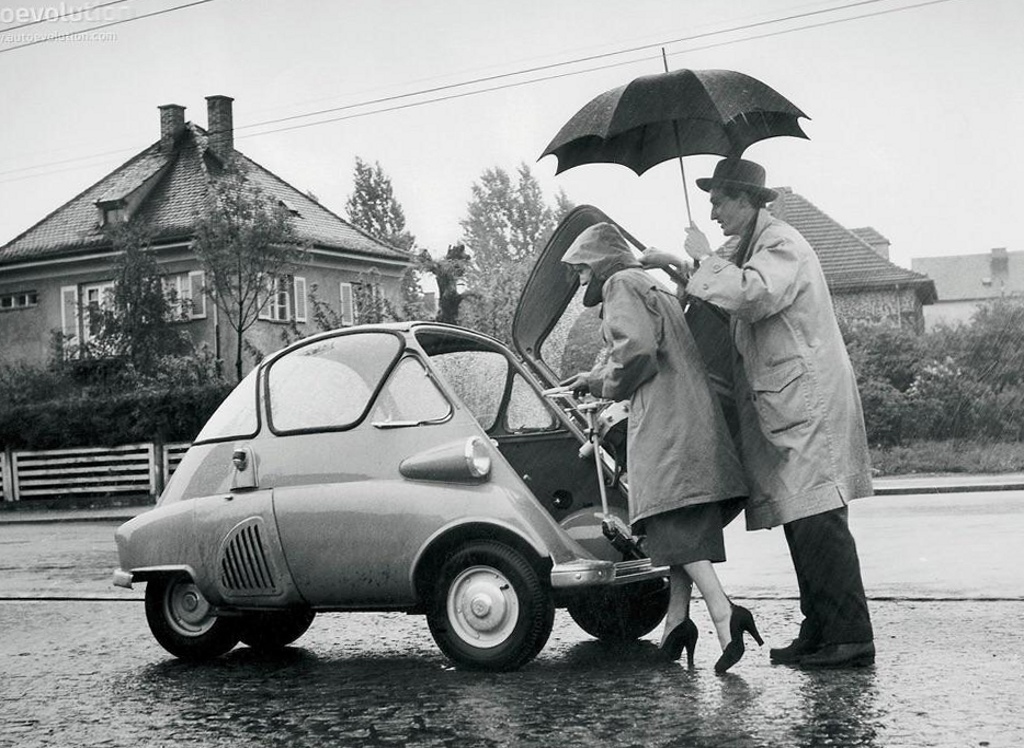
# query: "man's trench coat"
803 441
680 452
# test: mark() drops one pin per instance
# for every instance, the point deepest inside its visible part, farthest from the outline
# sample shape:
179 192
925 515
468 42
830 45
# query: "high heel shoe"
740 621
682 636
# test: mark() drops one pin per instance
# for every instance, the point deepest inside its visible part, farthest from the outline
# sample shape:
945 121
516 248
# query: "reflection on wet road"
88 673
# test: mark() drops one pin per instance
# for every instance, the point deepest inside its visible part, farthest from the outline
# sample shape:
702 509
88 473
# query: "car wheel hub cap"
187 610
482 606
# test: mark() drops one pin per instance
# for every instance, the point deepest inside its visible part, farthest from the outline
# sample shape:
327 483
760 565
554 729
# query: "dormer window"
112 212
290 207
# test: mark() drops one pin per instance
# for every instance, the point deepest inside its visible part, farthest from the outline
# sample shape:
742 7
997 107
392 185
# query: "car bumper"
592 572
122 578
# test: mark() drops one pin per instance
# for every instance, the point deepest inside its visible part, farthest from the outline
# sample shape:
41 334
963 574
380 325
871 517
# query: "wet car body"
409 466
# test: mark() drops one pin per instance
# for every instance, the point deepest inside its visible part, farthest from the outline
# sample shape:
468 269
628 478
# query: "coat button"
705 286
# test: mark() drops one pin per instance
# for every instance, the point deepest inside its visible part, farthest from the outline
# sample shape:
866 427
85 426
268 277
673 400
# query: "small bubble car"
413 467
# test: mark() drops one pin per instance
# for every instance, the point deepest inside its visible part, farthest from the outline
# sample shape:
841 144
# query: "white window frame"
286 299
189 301
105 292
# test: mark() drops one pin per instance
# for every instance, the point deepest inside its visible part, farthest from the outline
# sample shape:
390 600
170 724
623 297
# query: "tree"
507 223
373 208
449 272
138 326
244 240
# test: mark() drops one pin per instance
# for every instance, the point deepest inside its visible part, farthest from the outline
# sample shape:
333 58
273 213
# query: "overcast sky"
916 107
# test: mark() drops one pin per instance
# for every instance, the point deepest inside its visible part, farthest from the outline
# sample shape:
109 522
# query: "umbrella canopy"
678 113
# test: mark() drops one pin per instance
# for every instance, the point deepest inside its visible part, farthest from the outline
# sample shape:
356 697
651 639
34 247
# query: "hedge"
109 420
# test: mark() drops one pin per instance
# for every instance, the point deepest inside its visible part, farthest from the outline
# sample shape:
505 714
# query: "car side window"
328 383
410 396
478 378
526 410
236 417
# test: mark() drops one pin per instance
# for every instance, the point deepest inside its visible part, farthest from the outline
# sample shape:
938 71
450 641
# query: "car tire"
621 614
271 631
184 623
489 609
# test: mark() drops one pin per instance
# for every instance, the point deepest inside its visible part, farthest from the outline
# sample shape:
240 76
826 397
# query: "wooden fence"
127 471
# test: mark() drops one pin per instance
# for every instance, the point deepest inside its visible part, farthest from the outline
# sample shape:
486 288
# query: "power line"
580 60
55 37
527 71
573 72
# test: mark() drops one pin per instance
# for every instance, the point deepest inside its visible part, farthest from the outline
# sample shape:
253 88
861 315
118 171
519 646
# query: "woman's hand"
579 383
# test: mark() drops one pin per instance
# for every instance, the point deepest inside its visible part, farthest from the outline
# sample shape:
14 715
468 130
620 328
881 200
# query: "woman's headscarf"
604 250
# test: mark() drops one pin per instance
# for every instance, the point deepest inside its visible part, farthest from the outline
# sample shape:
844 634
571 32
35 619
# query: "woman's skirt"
692 533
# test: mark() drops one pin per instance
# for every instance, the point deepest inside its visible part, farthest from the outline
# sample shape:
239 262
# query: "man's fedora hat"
739 174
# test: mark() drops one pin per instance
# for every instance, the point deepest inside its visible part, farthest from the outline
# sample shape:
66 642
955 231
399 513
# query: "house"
865 285
964 282
58 270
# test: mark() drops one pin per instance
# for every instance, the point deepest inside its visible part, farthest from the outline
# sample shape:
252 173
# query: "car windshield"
329 383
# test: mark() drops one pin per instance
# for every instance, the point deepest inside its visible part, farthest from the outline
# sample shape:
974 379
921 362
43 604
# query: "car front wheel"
184 623
270 631
490 610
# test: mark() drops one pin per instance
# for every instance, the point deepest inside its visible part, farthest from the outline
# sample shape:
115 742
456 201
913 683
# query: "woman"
685 479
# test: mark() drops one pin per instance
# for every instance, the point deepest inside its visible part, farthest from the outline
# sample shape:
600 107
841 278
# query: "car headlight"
464 460
478 458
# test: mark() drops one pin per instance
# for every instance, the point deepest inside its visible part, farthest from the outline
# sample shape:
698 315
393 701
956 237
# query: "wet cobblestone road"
78 666
89 674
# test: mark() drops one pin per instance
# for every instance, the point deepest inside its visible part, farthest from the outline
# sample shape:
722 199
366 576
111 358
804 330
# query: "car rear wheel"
490 610
270 631
620 614
184 623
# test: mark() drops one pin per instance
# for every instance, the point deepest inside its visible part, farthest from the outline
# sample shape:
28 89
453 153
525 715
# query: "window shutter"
270 294
197 294
69 314
347 305
300 299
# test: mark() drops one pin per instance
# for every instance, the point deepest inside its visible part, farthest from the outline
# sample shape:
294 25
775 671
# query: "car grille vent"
245 567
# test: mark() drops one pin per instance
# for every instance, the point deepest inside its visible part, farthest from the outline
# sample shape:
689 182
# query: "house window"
97 298
20 300
286 299
186 294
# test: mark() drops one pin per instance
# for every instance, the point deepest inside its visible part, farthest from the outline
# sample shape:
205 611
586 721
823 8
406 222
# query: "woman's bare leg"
680 592
703 575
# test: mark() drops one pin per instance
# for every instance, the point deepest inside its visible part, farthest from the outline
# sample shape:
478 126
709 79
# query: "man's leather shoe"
791 654
855 654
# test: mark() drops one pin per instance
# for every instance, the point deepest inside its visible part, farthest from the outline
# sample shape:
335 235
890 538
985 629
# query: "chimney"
219 125
172 122
999 264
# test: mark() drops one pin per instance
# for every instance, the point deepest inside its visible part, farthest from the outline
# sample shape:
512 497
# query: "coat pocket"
779 394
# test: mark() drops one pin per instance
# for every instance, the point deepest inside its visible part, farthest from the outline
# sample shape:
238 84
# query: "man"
802 435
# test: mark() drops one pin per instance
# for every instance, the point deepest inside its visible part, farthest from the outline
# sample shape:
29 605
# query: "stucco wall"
902 307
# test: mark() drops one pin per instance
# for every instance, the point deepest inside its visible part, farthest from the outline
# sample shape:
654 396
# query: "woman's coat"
680 452
803 441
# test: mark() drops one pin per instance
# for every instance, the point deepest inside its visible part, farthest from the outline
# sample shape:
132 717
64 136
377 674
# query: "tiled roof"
170 209
850 264
869 235
973 277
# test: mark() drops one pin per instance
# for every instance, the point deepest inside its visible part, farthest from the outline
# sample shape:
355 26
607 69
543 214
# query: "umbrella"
674 114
